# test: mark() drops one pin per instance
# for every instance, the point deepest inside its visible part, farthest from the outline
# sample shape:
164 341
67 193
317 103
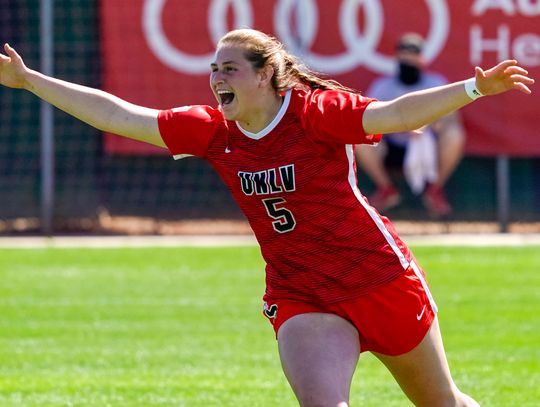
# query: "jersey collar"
271 126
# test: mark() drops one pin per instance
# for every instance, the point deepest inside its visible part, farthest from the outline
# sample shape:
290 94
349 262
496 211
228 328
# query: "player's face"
235 83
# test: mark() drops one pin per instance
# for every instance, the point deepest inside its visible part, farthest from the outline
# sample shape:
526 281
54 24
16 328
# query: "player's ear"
265 75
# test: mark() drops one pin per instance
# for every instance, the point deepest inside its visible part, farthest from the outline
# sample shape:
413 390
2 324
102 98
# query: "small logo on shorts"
270 310
419 316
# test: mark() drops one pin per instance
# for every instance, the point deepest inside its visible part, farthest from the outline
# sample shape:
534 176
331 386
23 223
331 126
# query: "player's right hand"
12 68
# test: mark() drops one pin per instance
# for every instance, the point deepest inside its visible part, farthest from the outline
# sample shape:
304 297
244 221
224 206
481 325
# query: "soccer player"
339 279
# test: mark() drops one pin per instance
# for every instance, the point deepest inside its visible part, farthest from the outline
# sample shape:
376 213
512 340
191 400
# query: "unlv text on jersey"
271 181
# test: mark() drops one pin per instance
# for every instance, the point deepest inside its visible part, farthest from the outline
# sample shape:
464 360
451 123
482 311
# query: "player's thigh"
423 373
319 353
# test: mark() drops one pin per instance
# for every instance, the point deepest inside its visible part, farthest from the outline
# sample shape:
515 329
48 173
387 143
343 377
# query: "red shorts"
391 319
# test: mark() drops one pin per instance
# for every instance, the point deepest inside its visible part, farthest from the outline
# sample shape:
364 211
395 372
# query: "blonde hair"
261 50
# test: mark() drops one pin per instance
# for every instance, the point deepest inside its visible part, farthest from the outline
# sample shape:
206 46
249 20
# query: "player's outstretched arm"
417 109
95 107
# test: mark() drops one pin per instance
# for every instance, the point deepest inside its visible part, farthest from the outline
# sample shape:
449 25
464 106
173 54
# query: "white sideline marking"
474 239
452 239
126 241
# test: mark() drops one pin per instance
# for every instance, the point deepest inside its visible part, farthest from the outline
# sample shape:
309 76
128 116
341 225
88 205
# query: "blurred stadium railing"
90 183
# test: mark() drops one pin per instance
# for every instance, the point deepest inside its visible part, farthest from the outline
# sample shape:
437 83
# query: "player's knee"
468 401
322 400
323 404
450 398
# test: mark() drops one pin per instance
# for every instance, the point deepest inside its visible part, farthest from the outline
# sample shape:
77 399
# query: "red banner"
157 53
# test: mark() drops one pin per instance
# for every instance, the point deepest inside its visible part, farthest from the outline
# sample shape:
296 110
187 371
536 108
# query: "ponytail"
305 77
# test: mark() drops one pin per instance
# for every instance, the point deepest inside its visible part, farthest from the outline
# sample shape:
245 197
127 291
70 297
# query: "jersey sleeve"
189 130
335 116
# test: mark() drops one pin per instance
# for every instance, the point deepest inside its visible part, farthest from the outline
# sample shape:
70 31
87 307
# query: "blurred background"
58 175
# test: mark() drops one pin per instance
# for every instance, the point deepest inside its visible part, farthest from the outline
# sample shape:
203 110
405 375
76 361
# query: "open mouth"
225 97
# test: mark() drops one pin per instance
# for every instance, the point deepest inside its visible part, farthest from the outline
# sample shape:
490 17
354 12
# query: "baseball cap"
410 42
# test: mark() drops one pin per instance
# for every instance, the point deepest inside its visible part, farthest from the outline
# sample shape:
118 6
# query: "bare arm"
417 109
99 109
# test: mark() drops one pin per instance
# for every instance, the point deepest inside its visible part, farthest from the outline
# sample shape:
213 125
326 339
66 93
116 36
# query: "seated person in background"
426 157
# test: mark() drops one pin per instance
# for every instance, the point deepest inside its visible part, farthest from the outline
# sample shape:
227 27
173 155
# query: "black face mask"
409 74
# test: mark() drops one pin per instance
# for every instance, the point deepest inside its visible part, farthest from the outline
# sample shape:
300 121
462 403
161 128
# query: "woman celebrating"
339 279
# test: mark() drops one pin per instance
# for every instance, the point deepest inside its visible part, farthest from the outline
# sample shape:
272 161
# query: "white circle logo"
172 56
361 45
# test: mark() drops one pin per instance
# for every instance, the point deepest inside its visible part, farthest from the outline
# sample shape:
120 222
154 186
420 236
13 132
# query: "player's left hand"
505 76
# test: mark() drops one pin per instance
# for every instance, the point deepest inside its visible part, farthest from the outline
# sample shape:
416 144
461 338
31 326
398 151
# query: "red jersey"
296 183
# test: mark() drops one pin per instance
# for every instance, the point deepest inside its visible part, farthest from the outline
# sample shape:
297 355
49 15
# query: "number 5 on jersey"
283 218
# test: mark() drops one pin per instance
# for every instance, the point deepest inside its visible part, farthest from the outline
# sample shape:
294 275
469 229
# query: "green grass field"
183 327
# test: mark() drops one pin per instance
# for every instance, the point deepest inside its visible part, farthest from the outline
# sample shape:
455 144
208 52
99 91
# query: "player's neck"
260 118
